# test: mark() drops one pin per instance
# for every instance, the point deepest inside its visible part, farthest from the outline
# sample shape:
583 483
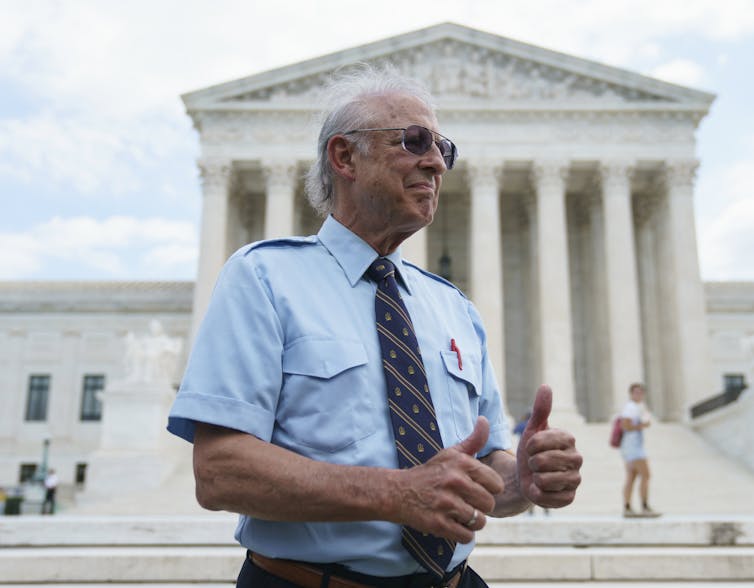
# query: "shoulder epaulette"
435 277
282 242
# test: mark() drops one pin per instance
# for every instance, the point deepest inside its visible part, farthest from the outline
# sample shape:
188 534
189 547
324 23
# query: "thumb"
473 443
540 412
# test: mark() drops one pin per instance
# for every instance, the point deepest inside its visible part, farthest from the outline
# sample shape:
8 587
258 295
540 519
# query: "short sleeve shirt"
288 352
632 442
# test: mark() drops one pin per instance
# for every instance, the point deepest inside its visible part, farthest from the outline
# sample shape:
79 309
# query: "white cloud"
728 242
97 86
19 256
131 57
169 256
623 33
707 18
680 71
110 73
726 220
88 155
113 248
60 150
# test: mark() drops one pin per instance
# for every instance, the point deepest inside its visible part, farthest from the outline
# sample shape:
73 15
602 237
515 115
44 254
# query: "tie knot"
380 269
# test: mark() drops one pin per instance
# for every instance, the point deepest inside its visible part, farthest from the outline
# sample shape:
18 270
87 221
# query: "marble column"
280 180
647 210
213 249
556 339
486 261
622 286
694 379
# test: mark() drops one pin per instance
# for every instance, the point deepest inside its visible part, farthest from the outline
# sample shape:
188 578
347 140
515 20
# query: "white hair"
346 106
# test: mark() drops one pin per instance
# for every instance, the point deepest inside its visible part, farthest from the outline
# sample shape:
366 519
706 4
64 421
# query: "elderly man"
341 399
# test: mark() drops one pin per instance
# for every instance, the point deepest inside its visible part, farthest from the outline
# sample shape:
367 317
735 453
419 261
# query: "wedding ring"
472 520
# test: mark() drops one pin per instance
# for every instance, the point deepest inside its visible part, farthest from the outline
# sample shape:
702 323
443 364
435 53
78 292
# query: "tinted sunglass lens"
448 152
417 139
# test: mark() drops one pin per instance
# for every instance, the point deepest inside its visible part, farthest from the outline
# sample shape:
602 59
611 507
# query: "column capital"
550 173
279 173
615 174
484 172
681 172
215 173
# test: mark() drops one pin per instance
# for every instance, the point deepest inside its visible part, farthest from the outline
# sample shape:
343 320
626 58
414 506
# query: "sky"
98 176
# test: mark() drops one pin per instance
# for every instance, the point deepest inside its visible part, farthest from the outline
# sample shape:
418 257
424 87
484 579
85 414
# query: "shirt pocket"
323 404
463 390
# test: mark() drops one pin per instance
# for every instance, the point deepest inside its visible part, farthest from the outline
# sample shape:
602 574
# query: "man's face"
393 187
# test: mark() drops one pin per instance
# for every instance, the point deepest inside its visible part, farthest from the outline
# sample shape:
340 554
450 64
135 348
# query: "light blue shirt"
288 352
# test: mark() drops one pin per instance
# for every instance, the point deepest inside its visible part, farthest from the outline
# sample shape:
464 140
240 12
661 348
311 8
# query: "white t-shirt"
51 481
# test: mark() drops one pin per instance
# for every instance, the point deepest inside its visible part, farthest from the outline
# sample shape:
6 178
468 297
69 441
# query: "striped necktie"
417 437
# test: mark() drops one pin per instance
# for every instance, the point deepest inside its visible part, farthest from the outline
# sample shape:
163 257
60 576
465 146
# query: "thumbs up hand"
547 460
449 495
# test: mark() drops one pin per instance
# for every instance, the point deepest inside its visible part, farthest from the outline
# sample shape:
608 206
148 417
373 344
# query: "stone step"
217 529
131 585
541 564
682 467
681 461
589 584
201 550
163 530
210 564
613 531
621 584
120 564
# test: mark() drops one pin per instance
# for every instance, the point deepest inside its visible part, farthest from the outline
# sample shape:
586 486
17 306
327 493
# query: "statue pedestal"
137 453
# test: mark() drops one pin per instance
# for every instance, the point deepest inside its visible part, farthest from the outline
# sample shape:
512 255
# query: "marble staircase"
705 536
199 550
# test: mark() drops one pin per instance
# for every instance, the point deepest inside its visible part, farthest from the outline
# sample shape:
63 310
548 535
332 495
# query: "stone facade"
68 331
569 218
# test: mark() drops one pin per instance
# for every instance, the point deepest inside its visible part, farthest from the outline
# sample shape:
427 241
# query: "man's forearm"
240 473
237 472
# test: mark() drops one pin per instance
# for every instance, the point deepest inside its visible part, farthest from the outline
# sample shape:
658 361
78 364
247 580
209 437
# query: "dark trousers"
48 506
252 576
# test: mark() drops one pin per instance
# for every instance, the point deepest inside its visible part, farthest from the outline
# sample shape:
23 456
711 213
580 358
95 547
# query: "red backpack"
616 433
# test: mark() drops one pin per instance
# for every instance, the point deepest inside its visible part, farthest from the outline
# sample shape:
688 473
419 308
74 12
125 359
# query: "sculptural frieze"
454 69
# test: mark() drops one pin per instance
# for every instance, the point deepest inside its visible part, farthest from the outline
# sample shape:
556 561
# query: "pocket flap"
322 358
467 373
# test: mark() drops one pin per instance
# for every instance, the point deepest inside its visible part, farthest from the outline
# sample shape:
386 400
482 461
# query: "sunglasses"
418 140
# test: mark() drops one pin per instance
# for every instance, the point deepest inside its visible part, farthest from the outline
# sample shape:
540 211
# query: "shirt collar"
353 254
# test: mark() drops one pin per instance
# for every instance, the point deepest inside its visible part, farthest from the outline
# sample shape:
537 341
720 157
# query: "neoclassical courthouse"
568 220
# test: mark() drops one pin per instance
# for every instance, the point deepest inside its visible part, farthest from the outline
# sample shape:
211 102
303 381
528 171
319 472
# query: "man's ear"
340 153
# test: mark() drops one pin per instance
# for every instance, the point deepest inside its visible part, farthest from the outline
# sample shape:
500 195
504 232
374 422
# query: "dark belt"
309 575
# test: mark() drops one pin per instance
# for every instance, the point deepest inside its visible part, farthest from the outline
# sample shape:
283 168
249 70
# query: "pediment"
461 66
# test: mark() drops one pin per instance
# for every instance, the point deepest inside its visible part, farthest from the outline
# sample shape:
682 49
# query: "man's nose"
433 159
